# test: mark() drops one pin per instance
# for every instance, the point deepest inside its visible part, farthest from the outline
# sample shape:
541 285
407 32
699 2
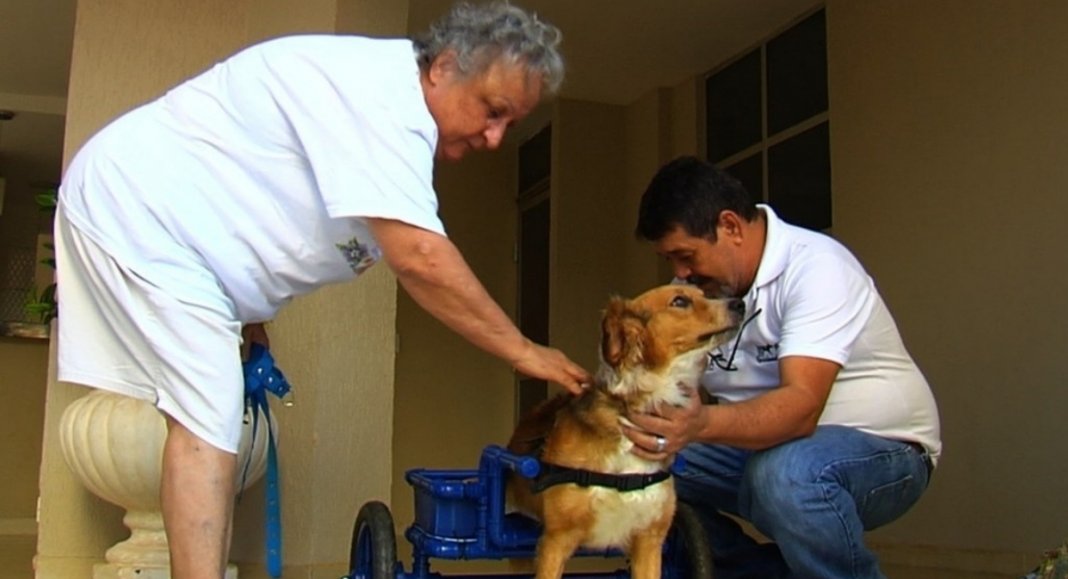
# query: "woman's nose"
494 134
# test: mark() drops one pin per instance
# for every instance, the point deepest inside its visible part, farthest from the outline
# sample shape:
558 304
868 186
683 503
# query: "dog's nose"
737 306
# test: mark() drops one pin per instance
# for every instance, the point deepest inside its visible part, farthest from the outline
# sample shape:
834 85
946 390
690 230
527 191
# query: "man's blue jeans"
814 497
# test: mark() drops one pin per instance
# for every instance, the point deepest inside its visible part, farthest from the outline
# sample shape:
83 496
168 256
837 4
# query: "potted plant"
43 307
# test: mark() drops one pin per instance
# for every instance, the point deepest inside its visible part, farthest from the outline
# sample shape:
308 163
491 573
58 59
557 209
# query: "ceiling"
616 51
35 45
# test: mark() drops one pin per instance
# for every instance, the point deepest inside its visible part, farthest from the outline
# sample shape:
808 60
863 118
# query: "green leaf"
47 201
42 307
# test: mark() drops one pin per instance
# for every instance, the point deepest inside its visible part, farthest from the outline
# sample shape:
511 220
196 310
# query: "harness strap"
553 474
261 377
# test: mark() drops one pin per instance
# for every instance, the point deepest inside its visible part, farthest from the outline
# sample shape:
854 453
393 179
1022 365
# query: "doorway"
532 256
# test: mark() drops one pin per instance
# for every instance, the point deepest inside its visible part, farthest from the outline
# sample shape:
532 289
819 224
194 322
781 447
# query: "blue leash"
261 377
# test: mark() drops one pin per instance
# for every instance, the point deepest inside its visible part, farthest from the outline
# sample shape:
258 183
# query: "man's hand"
790 411
551 364
676 425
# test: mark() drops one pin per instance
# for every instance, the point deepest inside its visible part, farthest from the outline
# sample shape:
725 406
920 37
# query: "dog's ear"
621 334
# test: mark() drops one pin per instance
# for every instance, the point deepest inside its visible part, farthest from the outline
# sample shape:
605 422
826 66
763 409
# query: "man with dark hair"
823 427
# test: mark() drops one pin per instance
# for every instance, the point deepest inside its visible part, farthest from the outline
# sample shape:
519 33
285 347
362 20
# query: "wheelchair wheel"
374 544
687 555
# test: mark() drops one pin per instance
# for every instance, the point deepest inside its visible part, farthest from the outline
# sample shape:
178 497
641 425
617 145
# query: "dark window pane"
534 228
750 171
535 159
799 178
797 74
732 107
531 393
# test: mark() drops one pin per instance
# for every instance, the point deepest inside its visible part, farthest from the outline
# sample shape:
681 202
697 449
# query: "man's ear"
729 225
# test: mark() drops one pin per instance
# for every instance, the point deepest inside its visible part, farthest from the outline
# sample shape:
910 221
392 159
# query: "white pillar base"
112 571
114 444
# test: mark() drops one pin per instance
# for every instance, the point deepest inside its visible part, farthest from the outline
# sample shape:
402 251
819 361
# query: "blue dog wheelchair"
460 515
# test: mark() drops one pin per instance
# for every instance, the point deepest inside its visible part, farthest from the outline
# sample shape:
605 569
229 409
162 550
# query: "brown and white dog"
650 347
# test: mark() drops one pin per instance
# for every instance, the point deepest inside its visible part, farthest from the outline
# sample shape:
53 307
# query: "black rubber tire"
688 555
374 544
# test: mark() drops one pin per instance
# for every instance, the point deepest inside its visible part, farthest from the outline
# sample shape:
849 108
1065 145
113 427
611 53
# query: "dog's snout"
737 306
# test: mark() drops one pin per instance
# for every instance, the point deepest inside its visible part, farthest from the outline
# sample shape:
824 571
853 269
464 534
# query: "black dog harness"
552 474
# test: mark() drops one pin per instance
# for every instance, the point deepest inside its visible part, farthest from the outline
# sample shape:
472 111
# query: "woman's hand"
253 333
551 364
433 272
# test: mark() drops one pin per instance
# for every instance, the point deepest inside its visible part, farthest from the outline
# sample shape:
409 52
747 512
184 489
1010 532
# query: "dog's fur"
650 346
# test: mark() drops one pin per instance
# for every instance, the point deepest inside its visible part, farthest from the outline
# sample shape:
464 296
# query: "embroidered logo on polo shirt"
767 353
359 256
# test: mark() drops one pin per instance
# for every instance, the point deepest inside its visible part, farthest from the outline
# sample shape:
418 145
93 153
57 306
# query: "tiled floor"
16 556
893 572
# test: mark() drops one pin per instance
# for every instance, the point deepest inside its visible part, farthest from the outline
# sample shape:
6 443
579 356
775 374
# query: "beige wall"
938 123
451 398
587 212
335 346
23 362
23 366
948 183
660 126
948 148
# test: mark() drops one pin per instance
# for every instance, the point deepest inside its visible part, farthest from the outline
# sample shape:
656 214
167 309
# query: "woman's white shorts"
126 331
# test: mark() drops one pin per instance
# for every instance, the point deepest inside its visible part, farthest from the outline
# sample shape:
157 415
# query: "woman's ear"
442 67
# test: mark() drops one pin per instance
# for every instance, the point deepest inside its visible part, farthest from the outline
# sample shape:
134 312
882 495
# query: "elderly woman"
295 163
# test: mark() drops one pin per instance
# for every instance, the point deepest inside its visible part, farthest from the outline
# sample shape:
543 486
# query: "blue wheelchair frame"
460 515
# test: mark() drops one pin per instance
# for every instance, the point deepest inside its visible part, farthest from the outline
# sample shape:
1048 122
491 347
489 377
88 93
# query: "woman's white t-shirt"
262 169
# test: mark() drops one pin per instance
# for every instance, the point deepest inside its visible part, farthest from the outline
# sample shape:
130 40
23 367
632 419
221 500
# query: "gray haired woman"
293 164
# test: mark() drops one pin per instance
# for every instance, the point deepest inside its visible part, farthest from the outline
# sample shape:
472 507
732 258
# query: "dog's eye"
681 302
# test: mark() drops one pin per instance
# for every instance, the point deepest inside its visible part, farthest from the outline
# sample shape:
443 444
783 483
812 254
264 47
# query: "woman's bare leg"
197 495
